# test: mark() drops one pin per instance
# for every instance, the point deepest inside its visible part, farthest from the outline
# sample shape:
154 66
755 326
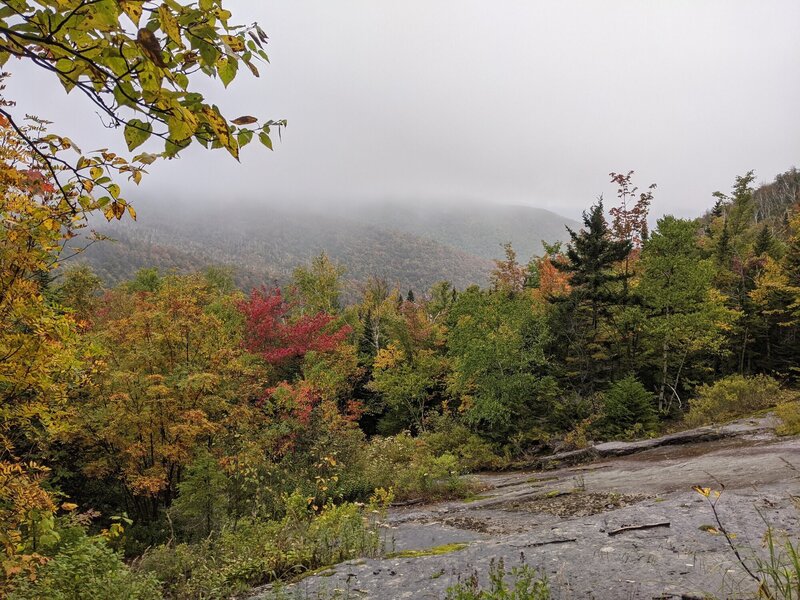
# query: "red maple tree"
271 332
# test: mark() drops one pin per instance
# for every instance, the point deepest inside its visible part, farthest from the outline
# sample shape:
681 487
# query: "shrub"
448 436
525 584
257 552
628 408
732 397
789 414
409 467
86 569
202 500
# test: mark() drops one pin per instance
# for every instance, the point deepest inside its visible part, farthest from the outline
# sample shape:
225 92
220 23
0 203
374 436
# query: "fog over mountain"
410 244
516 102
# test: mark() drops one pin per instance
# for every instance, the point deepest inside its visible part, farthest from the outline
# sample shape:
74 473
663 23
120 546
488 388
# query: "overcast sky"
512 101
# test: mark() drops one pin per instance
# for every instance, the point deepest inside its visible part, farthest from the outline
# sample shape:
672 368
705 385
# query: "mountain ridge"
410 246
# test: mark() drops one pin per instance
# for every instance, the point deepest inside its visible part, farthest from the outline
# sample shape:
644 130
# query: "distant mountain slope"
478 229
411 248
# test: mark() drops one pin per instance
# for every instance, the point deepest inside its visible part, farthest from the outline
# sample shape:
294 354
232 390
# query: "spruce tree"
590 259
583 319
763 243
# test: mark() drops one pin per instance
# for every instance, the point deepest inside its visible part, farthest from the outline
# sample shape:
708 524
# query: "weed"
522 582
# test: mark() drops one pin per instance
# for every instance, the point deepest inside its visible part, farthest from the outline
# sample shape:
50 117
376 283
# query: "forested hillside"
478 228
412 248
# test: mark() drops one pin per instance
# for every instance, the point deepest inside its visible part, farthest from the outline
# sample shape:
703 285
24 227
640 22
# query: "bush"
448 436
525 584
86 569
409 467
732 397
257 552
789 414
628 409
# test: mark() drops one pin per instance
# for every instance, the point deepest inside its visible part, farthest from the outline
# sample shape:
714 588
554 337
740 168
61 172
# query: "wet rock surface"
561 521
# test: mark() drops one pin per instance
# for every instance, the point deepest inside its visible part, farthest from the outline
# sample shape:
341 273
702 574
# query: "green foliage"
77 290
201 505
408 467
780 571
732 397
685 316
628 408
134 59
447 436
521 582
319 285
257 552
86 569
590 258
497 347
145 280
583 328
408 385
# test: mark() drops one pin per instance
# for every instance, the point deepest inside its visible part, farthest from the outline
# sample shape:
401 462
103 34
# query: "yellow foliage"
389 357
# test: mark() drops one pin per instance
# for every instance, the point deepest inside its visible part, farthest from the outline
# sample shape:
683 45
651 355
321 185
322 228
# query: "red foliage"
296 400
630 223
271 333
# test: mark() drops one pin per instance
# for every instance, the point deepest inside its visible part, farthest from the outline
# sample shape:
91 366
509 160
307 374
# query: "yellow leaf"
220 128
69 506
170 24
236 44
132 8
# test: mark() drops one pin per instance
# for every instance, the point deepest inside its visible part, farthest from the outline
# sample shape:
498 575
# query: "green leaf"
244 137
136 133
265 139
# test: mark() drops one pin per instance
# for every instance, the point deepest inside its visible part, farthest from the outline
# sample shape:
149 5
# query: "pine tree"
583 318
590 259
763 243
628 406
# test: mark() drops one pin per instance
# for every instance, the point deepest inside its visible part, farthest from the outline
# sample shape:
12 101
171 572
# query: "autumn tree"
137 63
629 219
508 275
41 355
281 339
168 383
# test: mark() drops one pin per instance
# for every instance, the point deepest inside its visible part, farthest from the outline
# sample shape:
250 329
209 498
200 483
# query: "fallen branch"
638 527
546 543
407 502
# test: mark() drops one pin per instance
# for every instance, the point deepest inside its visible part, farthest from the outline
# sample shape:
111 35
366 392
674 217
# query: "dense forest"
224 438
